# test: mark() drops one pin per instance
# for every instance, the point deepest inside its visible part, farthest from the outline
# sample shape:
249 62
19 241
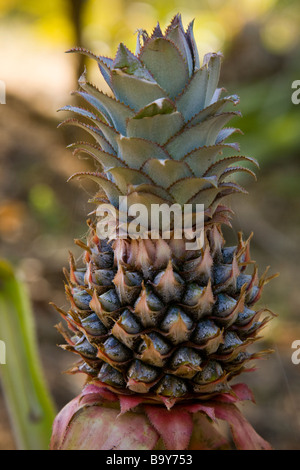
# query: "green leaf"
81 112
166 64
166 172
96 105
158 128
127 176
177 36
226 190
142 36
135 152
145 198
157 32
109 133
213 63
201 159
192 43
160 106
200 99
130 64
217 95
111 189
219 167
29 403
117 113
135 92
105 63
225 133
96 133
192 99
204 133
185 189
212 109
205 196
105 159
236 169
158 191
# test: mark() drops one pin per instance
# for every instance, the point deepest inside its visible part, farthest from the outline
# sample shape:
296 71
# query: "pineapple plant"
160 329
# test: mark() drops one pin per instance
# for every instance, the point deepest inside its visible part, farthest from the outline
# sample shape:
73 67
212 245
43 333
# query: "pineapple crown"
161 137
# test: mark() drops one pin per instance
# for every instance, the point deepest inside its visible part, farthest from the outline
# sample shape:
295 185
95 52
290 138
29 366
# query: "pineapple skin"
149 317
179 332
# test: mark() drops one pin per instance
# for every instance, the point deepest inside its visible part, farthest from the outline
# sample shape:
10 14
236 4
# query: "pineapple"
150 319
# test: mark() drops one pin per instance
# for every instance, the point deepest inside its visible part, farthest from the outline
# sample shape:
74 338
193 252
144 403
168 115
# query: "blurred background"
40 214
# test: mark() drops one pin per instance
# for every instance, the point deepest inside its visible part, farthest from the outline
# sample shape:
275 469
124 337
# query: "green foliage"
29 404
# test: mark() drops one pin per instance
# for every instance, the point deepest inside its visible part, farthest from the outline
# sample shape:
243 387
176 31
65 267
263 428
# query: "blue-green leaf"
107 160
127 176
94 131
166 64
192 99
177 36
204 133
157 32
128 63
160 106
201 159
220 166
192 43
200 91
225 190
109 187
158 191
158 128
81 112
217 95
229 187
183 190
96 105
135 92
107 131
225 133
166 172
105 63
205 196
213 63
212 109
145 198
236 169
135 152
117 113
141 35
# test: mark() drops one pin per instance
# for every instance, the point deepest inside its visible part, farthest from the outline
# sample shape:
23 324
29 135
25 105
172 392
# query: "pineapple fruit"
150 320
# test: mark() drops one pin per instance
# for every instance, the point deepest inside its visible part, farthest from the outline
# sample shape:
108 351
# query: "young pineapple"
149 317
